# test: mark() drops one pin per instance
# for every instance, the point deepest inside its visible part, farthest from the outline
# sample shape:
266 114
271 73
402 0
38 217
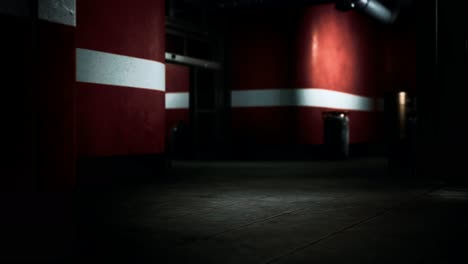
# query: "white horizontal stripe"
15 7
177 100
111 69
58 11
301 97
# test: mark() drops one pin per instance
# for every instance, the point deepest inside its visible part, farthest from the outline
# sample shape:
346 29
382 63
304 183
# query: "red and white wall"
260 49
287 68
177 96
101 81
120 77
339 52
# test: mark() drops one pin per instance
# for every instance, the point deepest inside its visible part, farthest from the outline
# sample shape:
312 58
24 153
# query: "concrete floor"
276 212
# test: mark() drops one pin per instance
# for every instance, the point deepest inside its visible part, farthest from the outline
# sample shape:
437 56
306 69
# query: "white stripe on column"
111 69
177 100
301 97
58 11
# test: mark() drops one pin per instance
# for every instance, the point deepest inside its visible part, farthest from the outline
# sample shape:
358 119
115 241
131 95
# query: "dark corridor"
234 131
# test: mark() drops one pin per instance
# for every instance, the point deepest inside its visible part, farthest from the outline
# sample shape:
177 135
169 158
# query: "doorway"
203 111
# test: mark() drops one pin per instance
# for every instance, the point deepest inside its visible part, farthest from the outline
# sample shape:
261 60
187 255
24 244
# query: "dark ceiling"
200 12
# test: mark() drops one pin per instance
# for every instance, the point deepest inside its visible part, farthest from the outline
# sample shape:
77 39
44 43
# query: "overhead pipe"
373 8
377 10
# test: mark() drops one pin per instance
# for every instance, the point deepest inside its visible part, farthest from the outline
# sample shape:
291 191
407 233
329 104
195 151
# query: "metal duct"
374 8
377 10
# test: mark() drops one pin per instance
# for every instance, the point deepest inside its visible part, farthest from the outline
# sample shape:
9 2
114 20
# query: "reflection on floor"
276 212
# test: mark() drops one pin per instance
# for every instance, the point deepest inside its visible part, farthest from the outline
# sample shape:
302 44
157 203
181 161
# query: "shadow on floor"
274 212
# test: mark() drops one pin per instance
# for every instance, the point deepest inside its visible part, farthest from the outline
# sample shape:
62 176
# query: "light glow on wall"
402 98
402 113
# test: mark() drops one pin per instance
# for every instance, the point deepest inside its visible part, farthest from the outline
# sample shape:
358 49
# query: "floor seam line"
242 226
368 219
273 260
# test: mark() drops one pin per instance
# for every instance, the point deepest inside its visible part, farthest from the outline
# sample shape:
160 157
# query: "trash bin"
336 134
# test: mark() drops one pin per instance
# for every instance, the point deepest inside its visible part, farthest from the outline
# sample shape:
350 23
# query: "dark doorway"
203 111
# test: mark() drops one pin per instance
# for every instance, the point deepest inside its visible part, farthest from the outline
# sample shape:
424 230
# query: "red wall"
115 120
317 47
135 28
337 51
177 81
261 48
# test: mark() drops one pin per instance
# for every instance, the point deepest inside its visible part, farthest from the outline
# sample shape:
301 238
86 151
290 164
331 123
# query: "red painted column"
261 58
291 66
177 86
117 114
338 51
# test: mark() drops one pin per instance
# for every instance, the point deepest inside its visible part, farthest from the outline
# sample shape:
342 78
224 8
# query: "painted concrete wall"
120 77
323 59
177 96
337 51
